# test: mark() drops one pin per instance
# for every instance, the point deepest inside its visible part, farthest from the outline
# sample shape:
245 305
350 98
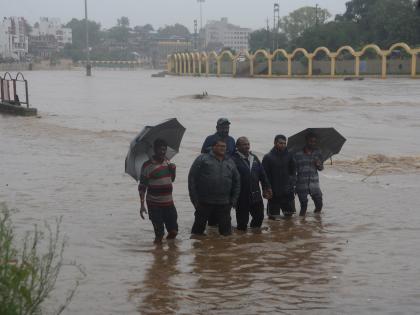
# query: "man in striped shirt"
156 177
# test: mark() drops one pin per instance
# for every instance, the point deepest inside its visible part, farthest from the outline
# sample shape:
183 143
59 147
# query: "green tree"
302 19
123 22
145 29
264 39
177 29
119 34
384 22
332 35
78 28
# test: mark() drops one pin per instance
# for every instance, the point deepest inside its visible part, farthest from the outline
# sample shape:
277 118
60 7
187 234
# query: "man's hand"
143 211
317 163
268 194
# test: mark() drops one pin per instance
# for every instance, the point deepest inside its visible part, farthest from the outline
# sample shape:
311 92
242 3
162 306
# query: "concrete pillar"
310 57
413 65
383 74
289 66
207 67
357 66
199 65
251 66
219 67
270 66
193 71
234 68
333 61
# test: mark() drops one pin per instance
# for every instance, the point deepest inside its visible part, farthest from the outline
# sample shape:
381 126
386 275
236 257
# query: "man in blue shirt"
222 133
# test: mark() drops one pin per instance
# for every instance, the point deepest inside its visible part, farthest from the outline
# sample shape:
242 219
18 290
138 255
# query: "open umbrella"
330 141
141 147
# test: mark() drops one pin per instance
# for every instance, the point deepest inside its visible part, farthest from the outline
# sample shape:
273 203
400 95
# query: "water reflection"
285 267
158 292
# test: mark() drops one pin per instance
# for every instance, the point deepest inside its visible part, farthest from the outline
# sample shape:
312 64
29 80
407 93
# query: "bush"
28 274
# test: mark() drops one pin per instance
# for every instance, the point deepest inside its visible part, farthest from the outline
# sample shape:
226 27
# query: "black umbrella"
141 147
330 141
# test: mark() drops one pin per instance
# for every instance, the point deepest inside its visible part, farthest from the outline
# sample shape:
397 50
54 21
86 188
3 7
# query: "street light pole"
88 65
201 15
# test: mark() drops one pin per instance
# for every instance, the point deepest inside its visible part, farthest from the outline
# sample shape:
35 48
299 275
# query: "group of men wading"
228 175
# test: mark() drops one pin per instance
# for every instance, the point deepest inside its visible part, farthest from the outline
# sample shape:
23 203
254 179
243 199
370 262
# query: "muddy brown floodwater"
361 256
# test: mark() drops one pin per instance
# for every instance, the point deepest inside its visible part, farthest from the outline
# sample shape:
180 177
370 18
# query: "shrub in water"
28 274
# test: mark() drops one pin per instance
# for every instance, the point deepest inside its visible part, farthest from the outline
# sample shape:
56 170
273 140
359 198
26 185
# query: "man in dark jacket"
281 172
222 133
252 174
214 186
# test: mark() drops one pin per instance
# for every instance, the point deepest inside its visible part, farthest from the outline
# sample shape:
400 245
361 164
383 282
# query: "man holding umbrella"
148 163
156 177
308 162
312 147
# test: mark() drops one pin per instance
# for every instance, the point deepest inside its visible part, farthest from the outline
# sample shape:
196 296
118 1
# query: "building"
47 27
13 38
222 33
48 36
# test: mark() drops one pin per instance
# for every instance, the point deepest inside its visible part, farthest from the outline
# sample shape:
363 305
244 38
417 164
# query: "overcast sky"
246 13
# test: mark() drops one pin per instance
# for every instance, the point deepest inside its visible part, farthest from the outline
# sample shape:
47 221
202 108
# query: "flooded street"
359 256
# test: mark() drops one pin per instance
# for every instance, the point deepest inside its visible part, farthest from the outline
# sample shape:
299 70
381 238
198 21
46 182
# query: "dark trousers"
212 221
204 211
162 217
243 210
303 199
285 203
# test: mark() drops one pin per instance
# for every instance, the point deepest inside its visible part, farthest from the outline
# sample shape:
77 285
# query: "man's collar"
243 156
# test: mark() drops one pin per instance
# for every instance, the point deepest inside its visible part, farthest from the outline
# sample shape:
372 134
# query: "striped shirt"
156 179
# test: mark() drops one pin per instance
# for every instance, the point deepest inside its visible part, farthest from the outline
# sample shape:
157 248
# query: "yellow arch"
346 48
226 52
371 46
280 51
261 51
180 62
213 54
324 49
399 45
204 56
303 50
245 52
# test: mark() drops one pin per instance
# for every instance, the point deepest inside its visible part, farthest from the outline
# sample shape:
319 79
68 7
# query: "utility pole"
88 65
195 35
201 18
316 14
276 26
268 33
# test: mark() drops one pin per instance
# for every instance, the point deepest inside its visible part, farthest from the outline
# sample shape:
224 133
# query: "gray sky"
246 13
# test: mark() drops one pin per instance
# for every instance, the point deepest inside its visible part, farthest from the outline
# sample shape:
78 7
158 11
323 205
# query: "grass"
29 272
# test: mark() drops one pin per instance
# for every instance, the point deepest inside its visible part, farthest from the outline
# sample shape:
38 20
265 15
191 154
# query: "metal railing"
9 87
